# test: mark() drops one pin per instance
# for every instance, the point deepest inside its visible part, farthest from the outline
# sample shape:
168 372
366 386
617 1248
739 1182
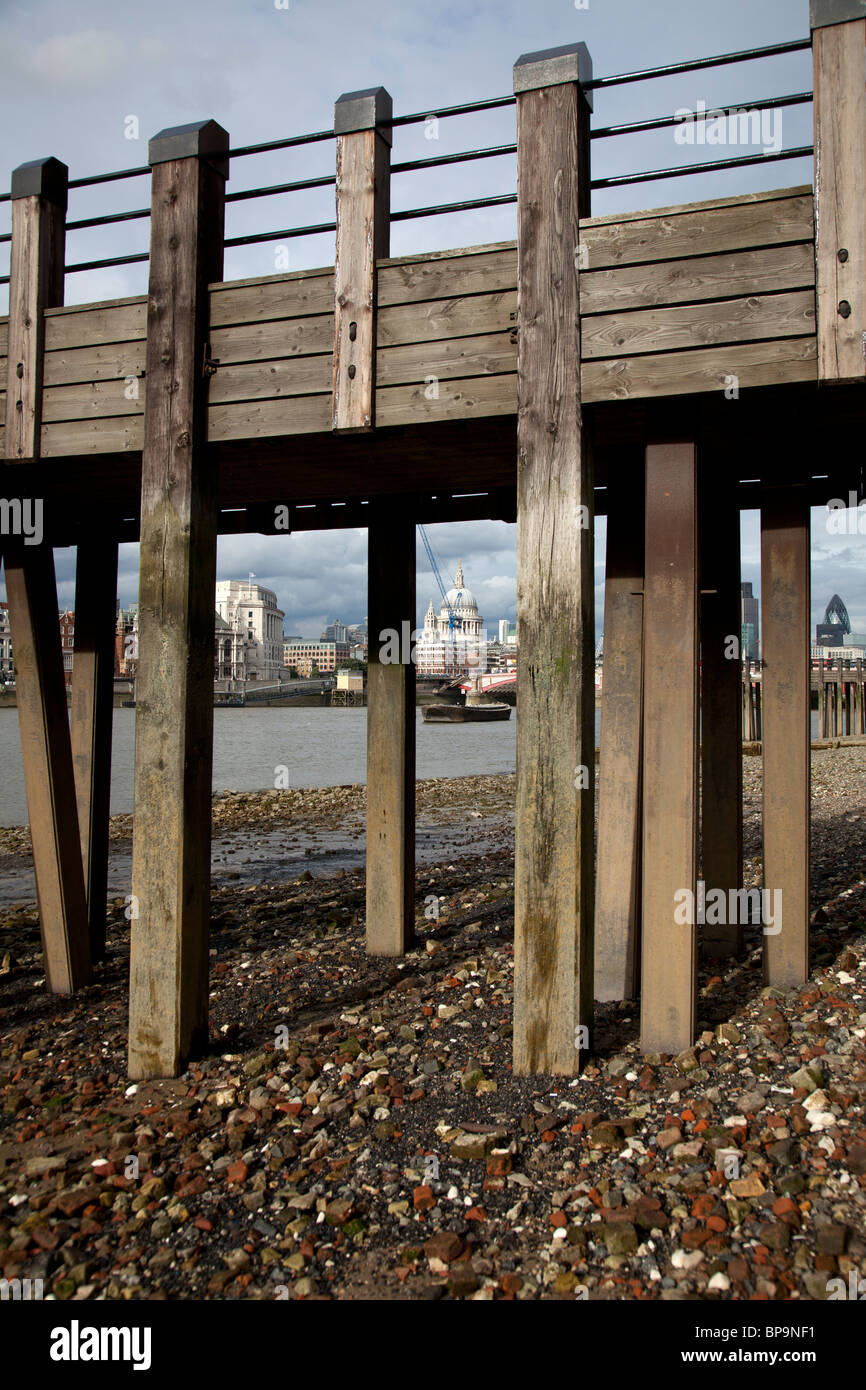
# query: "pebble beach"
355 1129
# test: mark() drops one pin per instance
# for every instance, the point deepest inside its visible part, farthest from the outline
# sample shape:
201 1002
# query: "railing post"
786 720
39 194
361 124
839 54
174 684
553 867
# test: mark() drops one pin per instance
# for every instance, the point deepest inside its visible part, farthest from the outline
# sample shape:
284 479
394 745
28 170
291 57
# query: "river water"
317 747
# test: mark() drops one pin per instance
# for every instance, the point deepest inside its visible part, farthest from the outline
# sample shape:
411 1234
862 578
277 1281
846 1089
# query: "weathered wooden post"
363 131
174 685
721 700
617 900
390 736
786 719
839 55
553 863
92 715
39 195
670 749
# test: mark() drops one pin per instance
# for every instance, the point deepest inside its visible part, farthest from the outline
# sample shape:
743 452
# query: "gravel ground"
355 1130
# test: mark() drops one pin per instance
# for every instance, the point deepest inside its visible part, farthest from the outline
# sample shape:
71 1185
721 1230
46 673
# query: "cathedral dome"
461 599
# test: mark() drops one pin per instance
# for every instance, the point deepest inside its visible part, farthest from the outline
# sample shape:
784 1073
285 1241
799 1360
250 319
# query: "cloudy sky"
91 82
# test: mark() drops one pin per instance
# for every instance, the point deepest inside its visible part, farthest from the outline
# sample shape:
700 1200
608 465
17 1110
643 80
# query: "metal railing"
464 156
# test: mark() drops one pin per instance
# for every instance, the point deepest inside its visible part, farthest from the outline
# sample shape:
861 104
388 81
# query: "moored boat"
465 714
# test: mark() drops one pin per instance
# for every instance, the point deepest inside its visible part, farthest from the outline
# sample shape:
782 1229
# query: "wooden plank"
294 376
706 369
92 400
174 683
119 434
390 738
840 197
104 362
770 195
283 338
553 861
697 278
411 281
122 322
261 419
464 317
363 235
39 194
4 335
786 719
699 232
273 297
457 400
423 256
487 355
766 317
668 956
721 700
91 717
617 901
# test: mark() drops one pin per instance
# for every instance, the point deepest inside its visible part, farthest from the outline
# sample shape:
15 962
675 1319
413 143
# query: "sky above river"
91 82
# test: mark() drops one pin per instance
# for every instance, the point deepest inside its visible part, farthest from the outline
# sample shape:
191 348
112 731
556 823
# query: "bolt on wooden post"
362 126
839 59
174 685
39 196
553 946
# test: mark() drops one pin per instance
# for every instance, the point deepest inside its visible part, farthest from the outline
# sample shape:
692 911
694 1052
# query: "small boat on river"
465 714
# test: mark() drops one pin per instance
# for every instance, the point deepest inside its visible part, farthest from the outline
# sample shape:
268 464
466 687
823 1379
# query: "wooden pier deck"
665 367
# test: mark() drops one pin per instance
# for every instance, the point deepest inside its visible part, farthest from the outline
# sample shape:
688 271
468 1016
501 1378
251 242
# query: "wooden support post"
721 720
390 737
174 684
362 126
92 714
839 55
553 866
39 192
617 901
785 589
670 747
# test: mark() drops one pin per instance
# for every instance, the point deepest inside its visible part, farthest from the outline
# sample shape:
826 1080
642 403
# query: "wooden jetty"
667 367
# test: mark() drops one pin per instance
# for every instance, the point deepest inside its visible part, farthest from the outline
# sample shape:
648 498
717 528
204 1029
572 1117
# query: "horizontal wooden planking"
708 369
457 400
276 297
770 195
92 400
257 342
294 376
262 419
447 318
698 277
487 355
116 321
698 325
407 282
700 232
102 362
105 436
4 336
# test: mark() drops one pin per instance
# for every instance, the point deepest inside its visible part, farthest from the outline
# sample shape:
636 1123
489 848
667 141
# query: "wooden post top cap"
371 109
42 178
553 66
825 12
199 139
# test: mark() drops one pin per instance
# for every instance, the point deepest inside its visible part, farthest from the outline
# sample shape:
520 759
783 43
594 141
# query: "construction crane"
452 616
